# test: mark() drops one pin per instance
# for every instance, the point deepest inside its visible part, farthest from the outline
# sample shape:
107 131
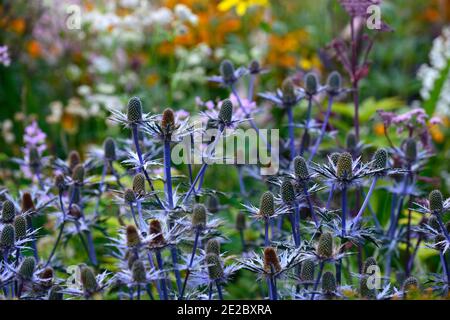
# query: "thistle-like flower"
287 96
228 74
134 115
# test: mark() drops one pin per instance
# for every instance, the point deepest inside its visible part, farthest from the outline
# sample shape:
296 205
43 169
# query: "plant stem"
168 174
161 268
305 132
191 261
219 290
61 230
310 206
266 232
316 283
366 202
294 231
291 132
330 196
322 130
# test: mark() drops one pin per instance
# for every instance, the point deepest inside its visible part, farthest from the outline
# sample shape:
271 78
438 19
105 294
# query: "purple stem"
191 261
163 280
168 174
305 133
316 283
291 132
366 202
322 130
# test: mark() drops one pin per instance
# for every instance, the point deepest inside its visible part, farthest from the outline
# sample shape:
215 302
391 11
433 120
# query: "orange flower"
378 128
34 48
69 123
437 134
18 25
151 79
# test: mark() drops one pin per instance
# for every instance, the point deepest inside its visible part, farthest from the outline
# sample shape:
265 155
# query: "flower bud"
109 148
328 283
129 196
335 157
156 230
78 174
7 236
88 280
311 84
55 293
8 211
213 204
138 272
34 157
307 271
287 191
325 246
334 83
60 182
227 71
75 211
411 283
271 261
134 110
288 90
226 111
380 159
266 204
411 149
20 226
73 159
344 167
215 269
26 269
240 221
254 67
368 263
139 184
436 201
213 246
132 236
74 193
301 168
199 216
168 119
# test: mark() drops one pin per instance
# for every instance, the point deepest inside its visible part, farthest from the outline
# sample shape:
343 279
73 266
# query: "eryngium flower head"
213 203
20 226
60 182
199 216
8 211
411 149
168 120
271 261
226 111
335 157
328 283
344 166
301 168
109 147
7 236
215 269
227 71
380 159
134 110
138 272
34 158
436 201
364 290
369 262
88 280
287 191
213 246
26 269
46 276
288 90
307 271
240 221
78 174
411 283
334 83
129 196
75 211
325 245
139 184
351 141
73 159
156 230
27 203
254 67
311 84
55 293
266 204
132 235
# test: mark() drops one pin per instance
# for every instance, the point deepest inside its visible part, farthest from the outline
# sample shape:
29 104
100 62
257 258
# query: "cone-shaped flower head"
60 182
7 236
129 196
199 216
213 246
344 166
436 201
215 268
88 280
287 191
8 211
335 157
325 245
350 141
213 203
27 203
380 159
109 148
73 159
168 120
227 71
301 168
139 184
288 90
75 211
411 149
271 261
132 235
138 272
156 230
20 226
411 283
226 111
78 174
328 282
368 263
311 84
334 83
254 67
134 110
240 221
47 276
307 271
27 267
266 204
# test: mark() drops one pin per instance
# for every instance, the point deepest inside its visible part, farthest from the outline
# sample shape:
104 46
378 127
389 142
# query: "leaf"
368 107
430 104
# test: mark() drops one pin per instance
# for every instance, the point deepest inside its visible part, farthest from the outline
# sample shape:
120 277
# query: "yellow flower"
241 5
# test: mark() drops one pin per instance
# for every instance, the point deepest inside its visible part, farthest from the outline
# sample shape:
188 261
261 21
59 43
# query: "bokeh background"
62 80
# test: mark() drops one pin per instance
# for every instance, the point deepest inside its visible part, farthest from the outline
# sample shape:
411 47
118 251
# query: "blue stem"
163 280
305 132
152 265
191 261
310 206
294 230
322 130
316 283
219 290
330 196
168 174
266 232
344 211
366 202
291 132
